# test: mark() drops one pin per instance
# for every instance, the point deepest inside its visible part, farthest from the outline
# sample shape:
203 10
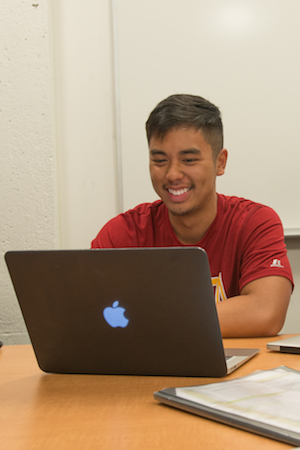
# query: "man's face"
183 171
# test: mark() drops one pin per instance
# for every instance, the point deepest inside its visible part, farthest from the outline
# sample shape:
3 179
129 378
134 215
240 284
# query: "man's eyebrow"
157 152
194 151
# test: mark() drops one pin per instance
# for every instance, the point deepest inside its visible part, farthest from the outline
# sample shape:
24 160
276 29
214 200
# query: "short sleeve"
264 250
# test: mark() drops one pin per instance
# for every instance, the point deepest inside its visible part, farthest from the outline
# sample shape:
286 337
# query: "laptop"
287 345
137 311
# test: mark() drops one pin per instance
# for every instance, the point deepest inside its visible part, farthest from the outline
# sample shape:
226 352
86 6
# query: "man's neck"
191 228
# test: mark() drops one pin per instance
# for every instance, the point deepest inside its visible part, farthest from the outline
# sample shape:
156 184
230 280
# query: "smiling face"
183 172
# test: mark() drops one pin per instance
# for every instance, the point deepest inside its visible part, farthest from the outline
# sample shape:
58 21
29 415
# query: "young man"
244 240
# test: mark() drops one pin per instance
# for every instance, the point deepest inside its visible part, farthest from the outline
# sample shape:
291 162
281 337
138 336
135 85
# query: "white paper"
271 397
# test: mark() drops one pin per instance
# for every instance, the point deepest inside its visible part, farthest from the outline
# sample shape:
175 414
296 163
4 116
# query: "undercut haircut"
187 111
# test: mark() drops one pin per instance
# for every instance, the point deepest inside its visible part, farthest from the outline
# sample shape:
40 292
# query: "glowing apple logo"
114 315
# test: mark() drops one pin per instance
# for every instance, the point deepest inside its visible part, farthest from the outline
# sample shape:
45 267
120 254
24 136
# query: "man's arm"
259 310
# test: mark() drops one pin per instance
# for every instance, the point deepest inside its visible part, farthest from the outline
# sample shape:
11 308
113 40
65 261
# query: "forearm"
260 310
238 317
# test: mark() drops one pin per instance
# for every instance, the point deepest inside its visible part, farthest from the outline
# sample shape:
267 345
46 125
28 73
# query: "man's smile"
178 195
178 192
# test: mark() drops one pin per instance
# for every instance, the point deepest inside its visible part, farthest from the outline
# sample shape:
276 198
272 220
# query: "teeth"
178 192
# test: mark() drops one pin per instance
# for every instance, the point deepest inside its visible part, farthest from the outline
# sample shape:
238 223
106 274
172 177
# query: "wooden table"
48 411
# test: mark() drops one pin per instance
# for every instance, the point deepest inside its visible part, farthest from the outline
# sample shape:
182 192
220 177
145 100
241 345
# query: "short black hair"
184 110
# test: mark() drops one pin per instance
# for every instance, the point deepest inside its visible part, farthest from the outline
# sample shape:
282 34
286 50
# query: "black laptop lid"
170 315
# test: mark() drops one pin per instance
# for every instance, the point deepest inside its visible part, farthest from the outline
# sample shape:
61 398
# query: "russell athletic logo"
277 263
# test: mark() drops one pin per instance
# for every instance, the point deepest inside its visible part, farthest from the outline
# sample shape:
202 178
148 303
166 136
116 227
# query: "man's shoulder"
235 203
133 228
239 209
145 210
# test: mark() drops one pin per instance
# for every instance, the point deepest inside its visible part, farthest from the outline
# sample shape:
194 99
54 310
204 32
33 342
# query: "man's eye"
190 160
159 161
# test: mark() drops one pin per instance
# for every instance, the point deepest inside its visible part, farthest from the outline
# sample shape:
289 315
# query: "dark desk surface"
48 411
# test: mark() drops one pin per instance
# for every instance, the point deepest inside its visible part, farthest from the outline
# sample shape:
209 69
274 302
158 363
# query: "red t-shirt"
244 242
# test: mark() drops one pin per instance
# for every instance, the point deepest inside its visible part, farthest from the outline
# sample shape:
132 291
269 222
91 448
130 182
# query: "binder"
265 403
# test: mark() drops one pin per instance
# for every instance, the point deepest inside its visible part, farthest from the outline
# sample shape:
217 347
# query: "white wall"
85 118
58 181
57 149
27 151
242 56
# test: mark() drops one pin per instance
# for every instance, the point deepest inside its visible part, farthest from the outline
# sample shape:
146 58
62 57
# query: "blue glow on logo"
114 315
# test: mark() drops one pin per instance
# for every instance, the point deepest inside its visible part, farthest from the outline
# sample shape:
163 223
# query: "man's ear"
221 162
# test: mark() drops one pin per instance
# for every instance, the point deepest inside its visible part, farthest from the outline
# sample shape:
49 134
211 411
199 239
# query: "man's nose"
174 171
